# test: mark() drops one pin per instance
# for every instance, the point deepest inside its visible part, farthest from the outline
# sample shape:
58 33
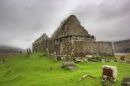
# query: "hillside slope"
5 50
38 70
122 46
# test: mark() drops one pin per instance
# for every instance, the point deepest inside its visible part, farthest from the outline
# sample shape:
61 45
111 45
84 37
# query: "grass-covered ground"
38 70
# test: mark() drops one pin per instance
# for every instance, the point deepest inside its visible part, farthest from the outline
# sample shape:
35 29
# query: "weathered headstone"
102 60
85 59
126 81
78 60
69 65
110 72
112 60
122 58
85 76
28 52
2 60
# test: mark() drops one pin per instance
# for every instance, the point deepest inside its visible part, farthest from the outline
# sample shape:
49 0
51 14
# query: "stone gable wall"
40 46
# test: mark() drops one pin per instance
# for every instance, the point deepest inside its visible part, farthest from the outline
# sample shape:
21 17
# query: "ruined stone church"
72 37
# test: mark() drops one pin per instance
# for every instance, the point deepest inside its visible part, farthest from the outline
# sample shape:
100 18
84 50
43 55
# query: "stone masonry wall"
40 46
67 47
100 48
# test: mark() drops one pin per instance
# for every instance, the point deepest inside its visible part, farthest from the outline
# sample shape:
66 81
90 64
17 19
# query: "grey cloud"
25 20
114 9
107 20
22 21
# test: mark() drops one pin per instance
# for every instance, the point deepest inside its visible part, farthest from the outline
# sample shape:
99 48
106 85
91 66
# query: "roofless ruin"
72 37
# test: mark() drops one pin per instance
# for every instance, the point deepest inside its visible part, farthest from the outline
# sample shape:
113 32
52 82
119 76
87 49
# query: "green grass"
35 70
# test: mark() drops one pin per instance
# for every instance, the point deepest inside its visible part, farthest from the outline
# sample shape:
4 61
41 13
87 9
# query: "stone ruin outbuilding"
72 37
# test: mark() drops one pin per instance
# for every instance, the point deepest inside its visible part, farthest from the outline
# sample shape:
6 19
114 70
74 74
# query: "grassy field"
38 70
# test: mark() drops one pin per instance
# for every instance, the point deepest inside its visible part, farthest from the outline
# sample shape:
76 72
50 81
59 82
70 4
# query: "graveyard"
41 70
64 42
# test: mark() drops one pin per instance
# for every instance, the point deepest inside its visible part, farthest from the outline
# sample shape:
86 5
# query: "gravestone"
122 58
126 81
78 60
85 59
70 65
2 60
110 72
102 60
112 60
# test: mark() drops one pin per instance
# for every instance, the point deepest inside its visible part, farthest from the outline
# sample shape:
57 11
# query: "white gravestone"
110 72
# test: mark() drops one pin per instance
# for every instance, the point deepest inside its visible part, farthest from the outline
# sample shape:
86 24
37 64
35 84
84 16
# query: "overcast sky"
23 21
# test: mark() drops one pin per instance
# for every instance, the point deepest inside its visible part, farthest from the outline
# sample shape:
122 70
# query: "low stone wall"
67 48
101 48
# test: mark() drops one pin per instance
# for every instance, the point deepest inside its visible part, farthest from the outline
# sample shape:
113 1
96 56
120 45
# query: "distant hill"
7 50
122 46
